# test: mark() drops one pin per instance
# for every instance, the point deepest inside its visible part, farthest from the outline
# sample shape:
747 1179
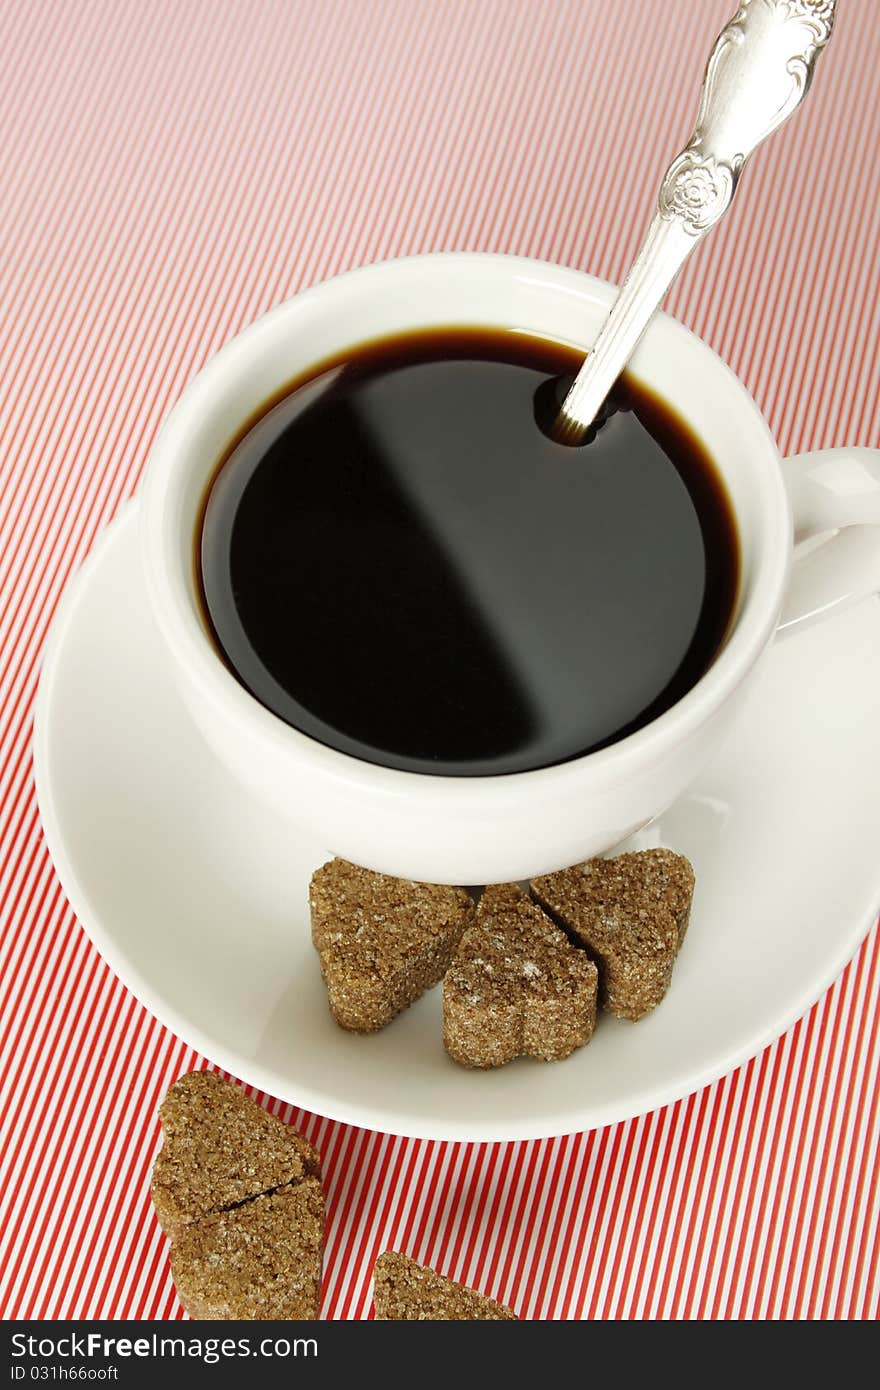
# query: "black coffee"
396 559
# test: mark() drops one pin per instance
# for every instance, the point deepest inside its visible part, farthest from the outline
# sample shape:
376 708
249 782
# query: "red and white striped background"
169 171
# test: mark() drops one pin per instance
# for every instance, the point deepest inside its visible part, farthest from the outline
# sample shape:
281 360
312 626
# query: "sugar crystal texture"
631 914
404 1291
239 1194
381 941
516 987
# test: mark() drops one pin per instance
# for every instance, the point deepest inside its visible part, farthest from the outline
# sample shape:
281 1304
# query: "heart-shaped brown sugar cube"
381 941
404 1291
516 987
239 1194
631 913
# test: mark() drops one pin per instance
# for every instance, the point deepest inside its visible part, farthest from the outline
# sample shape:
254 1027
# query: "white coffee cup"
487 829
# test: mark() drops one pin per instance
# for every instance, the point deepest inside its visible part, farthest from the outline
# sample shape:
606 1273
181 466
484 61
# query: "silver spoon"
758 74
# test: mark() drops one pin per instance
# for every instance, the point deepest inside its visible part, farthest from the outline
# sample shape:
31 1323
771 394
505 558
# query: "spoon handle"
758 73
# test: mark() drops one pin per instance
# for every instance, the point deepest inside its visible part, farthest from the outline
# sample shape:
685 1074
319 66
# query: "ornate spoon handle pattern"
758 73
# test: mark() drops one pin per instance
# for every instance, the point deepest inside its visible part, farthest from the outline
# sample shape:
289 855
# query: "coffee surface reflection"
396 560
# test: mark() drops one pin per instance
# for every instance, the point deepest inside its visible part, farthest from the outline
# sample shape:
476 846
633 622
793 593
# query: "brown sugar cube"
259 1261
239 1193
631 913
404 1291
517 986
382 941
220 1149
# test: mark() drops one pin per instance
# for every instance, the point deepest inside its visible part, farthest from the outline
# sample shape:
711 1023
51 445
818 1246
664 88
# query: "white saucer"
198 898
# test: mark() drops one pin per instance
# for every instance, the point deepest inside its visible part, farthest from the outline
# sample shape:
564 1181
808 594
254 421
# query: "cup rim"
190 647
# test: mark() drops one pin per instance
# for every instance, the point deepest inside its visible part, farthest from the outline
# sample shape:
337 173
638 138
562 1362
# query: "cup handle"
835 500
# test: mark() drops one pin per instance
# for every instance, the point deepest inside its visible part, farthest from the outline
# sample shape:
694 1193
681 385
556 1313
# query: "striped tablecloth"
170 171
